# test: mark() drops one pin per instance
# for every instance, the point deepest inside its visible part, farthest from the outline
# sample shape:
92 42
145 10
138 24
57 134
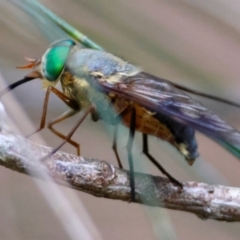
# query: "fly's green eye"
65 42
53 61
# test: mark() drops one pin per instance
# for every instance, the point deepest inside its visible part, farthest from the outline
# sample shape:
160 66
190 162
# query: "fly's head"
52 64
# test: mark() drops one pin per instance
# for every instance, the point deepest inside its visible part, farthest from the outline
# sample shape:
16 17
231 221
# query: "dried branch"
101 179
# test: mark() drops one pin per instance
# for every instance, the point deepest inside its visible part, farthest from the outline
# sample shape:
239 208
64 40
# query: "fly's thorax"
79 90
89 62
88 66
76 89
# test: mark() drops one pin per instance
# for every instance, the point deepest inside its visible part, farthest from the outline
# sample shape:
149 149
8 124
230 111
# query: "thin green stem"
66 27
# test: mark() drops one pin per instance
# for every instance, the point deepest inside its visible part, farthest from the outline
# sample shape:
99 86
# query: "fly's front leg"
75 108
156 163
72 104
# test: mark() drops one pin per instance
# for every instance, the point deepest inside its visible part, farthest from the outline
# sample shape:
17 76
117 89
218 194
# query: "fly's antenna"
14 85
32 63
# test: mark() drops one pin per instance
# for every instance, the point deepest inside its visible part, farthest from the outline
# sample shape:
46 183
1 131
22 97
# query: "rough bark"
101 179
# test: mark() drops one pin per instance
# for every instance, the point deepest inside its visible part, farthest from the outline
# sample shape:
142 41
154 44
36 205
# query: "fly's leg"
68 137
156 163
74 109
129 150
94 115
64 116
72 104
114 147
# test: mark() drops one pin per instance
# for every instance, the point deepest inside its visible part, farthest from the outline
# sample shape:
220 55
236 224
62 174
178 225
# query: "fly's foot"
176 183
132 197
132 189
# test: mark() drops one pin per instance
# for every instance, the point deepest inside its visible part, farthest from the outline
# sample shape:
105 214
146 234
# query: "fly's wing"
161 96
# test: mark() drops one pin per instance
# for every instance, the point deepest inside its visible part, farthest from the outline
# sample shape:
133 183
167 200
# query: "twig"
101 179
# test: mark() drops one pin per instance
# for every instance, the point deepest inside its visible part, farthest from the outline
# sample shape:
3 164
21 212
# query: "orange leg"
75 108
64 116
68 137
72 104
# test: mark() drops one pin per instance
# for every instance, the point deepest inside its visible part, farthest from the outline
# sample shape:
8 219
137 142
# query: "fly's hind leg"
114 147
156 163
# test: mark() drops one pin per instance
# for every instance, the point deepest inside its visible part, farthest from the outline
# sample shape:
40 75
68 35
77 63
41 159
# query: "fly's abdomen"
180 136
184 137
147 123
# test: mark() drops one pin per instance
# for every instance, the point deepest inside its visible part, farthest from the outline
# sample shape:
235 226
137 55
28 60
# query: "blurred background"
194 43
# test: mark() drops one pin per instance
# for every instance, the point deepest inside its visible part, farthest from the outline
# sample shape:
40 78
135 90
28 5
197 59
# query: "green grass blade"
66 27
231 148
